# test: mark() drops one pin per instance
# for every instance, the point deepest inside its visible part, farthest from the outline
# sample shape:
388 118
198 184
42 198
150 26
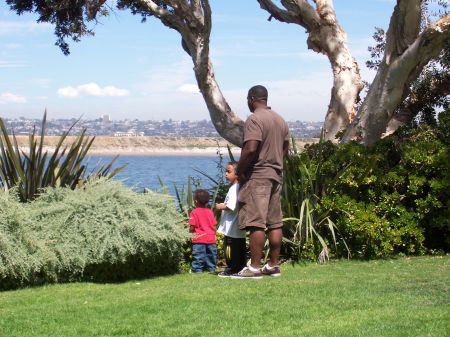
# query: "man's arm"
248 156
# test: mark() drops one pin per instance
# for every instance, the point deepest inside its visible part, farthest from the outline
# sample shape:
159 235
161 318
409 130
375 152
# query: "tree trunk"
406 55
326 36
192 19
438 86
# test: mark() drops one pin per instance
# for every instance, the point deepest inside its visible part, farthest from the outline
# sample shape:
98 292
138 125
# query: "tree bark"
192 19
438 87
327 37
407 52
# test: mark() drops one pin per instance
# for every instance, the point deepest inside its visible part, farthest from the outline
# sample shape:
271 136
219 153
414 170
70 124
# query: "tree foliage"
71 18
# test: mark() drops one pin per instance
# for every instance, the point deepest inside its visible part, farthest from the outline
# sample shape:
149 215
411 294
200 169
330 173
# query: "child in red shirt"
202 224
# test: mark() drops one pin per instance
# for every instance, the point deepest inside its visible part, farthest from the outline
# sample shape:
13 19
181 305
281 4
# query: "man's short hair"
202 196
258 92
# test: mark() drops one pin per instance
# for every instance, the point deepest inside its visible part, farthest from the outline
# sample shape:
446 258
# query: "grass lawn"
401 297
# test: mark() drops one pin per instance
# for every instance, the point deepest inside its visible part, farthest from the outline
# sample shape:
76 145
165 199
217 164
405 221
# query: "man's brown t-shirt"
271 130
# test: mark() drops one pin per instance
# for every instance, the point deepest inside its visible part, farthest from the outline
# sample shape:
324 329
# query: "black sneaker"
271 271
247 273
224 274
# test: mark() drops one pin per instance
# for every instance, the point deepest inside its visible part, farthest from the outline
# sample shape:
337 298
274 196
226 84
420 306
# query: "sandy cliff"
150 145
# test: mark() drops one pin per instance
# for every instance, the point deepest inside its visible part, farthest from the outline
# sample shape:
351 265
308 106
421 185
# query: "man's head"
257 96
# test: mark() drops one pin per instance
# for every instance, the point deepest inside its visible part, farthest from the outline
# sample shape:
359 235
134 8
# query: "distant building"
106 119
104 126
128 134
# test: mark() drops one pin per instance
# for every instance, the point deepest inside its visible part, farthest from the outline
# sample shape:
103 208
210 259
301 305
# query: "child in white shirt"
234 240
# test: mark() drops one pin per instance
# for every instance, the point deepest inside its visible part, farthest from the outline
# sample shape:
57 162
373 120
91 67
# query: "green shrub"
393 197
371 230
101 232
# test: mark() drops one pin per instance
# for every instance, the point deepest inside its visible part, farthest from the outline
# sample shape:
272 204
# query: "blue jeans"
204 257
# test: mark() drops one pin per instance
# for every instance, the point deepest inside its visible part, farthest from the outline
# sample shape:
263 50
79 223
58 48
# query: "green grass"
401 297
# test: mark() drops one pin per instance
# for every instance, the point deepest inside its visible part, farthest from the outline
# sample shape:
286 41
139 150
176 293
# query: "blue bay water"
143 171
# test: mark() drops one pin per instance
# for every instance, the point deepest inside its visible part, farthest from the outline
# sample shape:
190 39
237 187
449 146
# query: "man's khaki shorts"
260 204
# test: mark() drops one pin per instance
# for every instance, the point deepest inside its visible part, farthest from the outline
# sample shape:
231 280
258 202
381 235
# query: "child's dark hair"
232 163
202 196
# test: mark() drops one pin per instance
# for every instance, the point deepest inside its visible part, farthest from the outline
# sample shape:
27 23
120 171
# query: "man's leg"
257 238
275 238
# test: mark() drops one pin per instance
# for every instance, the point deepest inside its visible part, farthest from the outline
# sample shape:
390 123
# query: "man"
260 167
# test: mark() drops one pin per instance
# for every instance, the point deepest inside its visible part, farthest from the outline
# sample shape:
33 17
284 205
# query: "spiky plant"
32 170
306 226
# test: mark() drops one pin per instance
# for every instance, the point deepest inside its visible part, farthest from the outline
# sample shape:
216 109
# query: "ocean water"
143 171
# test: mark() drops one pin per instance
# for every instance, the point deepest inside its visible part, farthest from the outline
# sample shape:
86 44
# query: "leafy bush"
101 232
393 198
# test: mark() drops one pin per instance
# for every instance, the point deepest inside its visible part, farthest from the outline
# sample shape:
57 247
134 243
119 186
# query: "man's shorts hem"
265 227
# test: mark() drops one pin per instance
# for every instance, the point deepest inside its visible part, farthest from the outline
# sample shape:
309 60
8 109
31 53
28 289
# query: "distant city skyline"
135 128
122 118
139 71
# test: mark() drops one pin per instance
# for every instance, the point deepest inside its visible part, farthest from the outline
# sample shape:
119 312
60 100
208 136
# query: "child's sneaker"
248 273
271 271
224 274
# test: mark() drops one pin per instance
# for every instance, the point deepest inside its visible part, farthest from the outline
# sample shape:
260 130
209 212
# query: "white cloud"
7 97
166 79
68 92
92 89
15 27
189 88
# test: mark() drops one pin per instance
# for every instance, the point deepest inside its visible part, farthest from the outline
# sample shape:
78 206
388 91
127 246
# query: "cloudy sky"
138 70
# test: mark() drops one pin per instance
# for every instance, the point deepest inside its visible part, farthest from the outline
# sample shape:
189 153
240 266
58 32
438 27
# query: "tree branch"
167 18
195 41
92 8
404 28
391 81
299 12
327 37
197 11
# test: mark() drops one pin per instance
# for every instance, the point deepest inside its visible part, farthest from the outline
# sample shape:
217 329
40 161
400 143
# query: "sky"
134 70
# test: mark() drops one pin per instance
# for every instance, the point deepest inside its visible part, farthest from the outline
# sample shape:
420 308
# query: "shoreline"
161 152
150 146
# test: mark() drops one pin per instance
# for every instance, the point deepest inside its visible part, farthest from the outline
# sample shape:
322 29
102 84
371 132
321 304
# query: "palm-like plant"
31 171
304 184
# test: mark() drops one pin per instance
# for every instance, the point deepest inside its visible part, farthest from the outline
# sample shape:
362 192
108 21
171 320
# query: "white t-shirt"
229 221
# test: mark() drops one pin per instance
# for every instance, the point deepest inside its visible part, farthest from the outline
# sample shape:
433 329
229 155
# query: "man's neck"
260 105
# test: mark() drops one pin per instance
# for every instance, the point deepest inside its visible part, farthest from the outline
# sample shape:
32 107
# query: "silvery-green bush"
101 232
